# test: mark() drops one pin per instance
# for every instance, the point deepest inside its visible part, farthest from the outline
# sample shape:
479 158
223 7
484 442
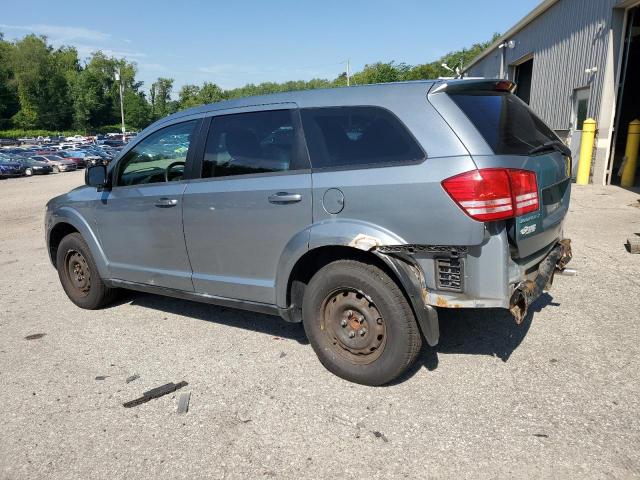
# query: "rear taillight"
494 193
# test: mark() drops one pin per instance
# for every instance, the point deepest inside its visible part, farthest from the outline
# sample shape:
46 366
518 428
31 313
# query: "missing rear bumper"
528 291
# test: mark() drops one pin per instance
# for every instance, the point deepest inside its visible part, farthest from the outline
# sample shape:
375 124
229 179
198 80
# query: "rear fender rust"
528 291
364 242
412 279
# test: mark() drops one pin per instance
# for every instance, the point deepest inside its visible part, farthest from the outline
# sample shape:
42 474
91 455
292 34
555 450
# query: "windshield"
507 124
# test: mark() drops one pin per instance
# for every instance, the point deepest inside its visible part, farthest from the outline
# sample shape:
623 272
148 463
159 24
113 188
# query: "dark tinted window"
245 143
354 136
506 122
160 157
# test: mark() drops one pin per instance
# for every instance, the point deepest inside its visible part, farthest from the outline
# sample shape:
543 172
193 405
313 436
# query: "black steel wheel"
355 327
79 275
359 323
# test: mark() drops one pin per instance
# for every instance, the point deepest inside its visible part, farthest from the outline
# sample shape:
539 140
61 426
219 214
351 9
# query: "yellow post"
631 154
586 151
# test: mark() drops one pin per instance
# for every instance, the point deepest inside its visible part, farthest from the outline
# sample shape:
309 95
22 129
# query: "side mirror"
96 176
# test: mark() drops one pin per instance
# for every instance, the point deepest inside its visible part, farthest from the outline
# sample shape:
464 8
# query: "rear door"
514 137
253 197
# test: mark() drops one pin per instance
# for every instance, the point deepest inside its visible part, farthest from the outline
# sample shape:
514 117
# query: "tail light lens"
494 193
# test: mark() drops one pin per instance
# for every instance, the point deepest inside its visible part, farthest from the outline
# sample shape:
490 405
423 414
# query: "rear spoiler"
460 86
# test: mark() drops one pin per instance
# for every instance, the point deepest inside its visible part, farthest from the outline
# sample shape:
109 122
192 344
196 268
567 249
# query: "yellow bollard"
631 154
586 151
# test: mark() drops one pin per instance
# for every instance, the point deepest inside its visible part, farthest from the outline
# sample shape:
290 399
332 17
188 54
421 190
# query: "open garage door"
628 102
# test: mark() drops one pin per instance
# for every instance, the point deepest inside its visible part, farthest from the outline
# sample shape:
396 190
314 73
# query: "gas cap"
333 201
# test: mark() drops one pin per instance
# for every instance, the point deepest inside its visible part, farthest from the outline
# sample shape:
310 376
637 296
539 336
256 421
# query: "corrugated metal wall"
567 39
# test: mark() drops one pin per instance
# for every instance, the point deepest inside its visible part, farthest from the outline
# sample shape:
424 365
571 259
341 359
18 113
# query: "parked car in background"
83 154
72 156
10 169
114 143
33 167
58 164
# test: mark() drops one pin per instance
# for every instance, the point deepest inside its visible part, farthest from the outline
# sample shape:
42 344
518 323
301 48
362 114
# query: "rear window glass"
507 124
357 136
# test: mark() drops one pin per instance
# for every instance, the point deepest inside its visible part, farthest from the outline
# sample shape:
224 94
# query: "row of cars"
49 157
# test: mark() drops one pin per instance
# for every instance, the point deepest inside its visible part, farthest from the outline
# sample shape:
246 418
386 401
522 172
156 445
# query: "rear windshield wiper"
556 145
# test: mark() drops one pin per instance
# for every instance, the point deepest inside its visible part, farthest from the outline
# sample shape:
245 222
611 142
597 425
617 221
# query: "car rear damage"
519 193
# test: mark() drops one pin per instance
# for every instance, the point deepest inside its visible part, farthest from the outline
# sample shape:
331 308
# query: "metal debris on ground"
183 402
155 393
102 377
283 354
131 378
35 336
380 435
633 244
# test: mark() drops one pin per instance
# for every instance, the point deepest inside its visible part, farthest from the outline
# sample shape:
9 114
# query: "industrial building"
572 60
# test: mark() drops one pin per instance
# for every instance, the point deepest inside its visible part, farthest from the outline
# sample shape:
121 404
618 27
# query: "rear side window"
357 136
507 124
246 143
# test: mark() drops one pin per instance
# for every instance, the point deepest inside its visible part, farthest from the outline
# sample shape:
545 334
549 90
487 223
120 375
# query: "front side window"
161 157
357 136
247 143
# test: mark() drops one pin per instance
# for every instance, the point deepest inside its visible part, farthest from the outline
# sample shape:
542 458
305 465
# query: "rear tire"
79 275
359 323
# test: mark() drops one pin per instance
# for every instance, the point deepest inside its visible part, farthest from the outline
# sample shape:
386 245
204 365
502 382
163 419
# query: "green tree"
381 73
188 96
42 86
210 93
161 104
9 101
92 93
137 110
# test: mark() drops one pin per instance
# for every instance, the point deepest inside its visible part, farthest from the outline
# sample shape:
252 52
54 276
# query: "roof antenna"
457 73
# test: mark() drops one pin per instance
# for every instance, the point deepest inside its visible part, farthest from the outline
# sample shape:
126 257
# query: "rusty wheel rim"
354 326
78 273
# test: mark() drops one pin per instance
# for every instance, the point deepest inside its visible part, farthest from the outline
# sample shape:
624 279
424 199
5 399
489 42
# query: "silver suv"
358 211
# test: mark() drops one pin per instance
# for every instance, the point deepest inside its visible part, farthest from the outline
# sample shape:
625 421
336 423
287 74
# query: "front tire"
28 172
56 169
359 323
79 275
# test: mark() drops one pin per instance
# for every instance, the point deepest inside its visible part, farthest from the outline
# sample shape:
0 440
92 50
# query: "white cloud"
86 50
222 68
61 33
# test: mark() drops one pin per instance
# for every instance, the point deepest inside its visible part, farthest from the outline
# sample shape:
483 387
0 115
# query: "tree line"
51 89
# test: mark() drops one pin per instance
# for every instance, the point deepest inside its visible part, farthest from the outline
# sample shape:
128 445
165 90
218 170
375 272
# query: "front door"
253 198
140 218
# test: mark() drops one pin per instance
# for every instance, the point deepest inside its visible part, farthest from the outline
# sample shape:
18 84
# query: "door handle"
284 197
166 202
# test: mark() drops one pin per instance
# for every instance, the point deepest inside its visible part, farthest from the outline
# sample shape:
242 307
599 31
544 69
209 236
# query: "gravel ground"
557 397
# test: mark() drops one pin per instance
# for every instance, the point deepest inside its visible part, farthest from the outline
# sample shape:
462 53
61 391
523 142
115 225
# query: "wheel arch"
355 240
66 221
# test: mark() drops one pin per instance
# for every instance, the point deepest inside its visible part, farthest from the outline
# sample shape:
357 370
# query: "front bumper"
528 291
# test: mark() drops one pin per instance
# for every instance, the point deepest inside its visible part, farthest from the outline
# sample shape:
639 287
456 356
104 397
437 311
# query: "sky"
233 43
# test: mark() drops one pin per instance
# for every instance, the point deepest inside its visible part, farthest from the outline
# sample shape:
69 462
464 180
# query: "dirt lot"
557 397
